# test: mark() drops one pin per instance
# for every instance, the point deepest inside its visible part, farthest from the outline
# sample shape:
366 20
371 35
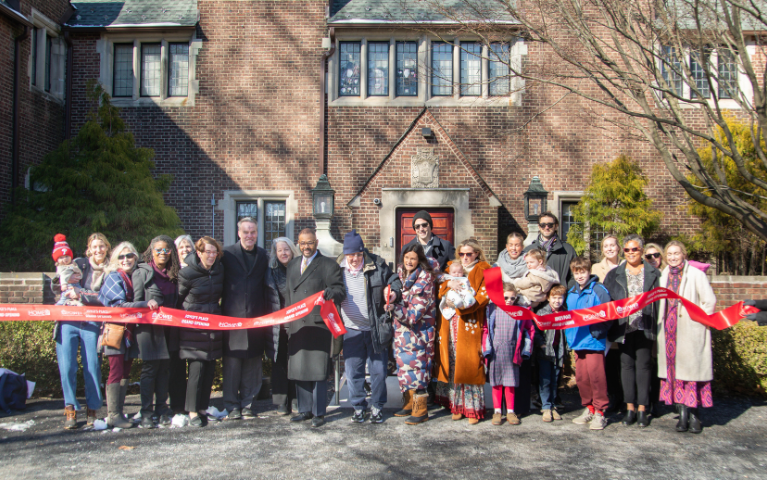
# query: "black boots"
643 418
629 418
684 418
695 425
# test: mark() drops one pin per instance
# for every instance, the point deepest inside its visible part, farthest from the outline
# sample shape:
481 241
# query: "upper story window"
407 69
711 71
471 68
178 70
498 69
698 61
728 74
378 68
151 70
349 75
671 68
441 68
47 57
122 85
33 61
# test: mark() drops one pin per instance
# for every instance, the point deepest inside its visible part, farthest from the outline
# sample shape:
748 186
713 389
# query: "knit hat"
353 243
61 247
423 215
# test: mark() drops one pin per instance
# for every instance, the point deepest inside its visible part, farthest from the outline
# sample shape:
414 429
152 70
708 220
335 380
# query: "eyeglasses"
631 250
127 255
461 254
306 244
419 226
162 250
546 225
650 256
509 299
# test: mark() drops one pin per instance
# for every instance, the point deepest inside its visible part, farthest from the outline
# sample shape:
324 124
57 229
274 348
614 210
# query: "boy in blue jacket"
588 342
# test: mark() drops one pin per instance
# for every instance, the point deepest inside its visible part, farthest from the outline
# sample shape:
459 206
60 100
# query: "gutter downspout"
323 99
68 94
15 116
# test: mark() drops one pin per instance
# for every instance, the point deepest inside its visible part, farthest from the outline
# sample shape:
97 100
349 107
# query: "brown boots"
115 400
420 413
71 422
407 408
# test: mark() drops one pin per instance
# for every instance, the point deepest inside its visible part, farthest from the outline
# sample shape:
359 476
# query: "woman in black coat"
156 278
635 334
283 389
201 283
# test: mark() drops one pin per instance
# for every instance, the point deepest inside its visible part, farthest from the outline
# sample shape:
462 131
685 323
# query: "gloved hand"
760 304
759 317
327 294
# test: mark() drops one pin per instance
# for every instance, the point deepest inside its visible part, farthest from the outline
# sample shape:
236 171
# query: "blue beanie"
353 243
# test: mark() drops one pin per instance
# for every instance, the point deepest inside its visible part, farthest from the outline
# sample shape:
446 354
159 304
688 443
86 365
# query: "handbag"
113 335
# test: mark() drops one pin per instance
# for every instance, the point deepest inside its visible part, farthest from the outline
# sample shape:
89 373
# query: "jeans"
548 376
242 381
312 397
71 336
358 350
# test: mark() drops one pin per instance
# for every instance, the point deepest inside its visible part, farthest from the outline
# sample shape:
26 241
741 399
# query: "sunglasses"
466 254
546 225
162 250
420 226
127 255
631 250
650 256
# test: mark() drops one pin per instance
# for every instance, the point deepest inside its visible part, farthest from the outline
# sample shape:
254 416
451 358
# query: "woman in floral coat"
414 321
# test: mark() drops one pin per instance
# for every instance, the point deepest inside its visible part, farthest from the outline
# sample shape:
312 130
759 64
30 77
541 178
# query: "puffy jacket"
200 291
590 337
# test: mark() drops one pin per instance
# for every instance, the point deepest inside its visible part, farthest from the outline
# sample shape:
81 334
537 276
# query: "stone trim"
229 203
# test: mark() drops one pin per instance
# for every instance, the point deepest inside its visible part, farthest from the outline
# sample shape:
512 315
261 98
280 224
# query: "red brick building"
228 94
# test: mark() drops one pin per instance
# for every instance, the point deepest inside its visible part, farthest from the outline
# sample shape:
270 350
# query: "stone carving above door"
424 169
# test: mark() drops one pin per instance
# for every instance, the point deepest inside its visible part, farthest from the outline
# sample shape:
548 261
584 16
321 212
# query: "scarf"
547 245
471 266
674 279
128 285
162 280
412 278
511 268
353 271
98 274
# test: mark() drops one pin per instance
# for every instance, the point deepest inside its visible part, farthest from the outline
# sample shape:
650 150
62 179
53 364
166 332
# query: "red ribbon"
176 318
612 310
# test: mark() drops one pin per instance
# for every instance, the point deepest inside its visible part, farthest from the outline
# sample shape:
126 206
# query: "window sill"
419 102
152 101
47 95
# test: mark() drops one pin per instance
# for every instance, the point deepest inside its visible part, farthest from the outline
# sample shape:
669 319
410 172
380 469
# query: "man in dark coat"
559 253
437 248
244 296
310 341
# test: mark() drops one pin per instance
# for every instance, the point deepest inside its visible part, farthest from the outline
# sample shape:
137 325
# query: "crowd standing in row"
433 312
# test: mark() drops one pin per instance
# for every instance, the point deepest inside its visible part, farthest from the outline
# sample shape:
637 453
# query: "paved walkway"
733 445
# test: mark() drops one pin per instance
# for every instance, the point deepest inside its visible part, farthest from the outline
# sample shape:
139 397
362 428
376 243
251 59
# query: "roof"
10 9
133 13
363 12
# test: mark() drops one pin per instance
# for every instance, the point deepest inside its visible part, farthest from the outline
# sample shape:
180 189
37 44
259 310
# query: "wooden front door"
442 218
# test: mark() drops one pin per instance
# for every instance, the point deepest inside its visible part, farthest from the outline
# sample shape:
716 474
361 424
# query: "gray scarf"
511 269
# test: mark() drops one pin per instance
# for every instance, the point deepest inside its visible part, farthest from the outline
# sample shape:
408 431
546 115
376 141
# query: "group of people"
433 315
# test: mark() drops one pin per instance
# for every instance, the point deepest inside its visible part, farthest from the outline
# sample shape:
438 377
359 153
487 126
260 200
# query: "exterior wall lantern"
535 205
323 197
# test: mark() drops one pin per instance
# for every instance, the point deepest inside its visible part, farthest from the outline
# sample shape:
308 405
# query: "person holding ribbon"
69 335
155 280
685 364
635 333
459 360
414 320
116 339
200 285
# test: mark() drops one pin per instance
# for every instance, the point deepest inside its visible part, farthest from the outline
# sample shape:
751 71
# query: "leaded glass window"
378 68
178 70
151 70
122 83
274 220
471 68
441 69
498 69
245 210
728 74
671 68
349 74
697 62
407 69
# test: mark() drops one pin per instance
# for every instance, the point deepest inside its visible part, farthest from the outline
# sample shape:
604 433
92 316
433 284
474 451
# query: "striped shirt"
354 308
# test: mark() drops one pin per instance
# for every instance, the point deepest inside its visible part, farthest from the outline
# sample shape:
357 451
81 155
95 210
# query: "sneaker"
584 417
599 422
376 416
512 418
248 413
92 415
146 422
235 414
555 415
164 420
547 416
497 419
359 416
197 422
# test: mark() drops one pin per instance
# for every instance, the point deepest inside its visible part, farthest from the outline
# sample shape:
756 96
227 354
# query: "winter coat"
602 268
245 296
525 331
544 342
114 293
153 342
377 276
693 340
559 258
309 339
276 293
536 284
616 284
442 251
469 368
588 337
200 291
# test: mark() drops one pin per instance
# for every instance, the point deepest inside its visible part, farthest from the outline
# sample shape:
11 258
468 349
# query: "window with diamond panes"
244 210
728 74
349 69
274 220
151 70
471 68
697 60
407 69
378 68
178 70
670 69
122 83
441 69
498 69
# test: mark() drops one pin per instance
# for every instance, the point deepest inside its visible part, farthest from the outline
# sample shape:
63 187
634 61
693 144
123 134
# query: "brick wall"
730 289
31 287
